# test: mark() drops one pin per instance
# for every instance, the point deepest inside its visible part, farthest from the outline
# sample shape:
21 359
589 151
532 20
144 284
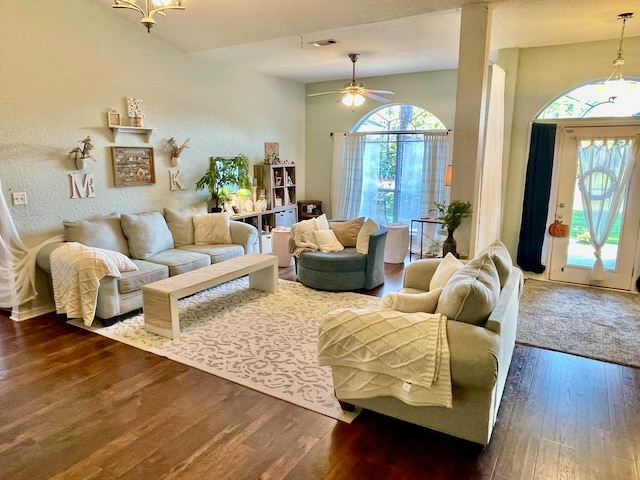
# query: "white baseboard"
22 314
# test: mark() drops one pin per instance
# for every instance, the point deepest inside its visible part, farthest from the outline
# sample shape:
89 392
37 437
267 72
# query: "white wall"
433 91
64 64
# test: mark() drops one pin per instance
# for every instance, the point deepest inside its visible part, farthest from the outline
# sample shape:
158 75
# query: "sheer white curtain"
17 279
372 198
489 208
436 157
17 262
346 174
604 170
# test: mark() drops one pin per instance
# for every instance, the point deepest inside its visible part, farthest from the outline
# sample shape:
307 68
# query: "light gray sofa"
480 354
160 244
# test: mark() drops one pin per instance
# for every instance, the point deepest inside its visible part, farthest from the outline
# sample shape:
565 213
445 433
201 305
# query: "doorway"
602 215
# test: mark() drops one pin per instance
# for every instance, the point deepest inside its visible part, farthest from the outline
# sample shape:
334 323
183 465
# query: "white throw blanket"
301 238
387 353
76 271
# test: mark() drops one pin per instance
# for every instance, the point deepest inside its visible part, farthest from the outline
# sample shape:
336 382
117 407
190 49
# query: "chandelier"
616 80
159 6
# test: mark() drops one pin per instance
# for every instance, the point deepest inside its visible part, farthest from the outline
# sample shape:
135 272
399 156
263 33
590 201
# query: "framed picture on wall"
133 166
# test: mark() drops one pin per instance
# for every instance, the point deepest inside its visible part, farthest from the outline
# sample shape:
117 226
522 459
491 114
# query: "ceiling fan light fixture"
353 100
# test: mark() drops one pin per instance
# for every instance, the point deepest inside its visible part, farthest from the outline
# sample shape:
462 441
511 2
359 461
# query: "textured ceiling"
392 36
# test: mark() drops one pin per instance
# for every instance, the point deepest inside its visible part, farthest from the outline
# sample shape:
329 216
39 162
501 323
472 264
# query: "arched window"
596 100
398 117
406 151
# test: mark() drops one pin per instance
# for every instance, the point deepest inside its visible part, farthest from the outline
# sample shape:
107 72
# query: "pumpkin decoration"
558 229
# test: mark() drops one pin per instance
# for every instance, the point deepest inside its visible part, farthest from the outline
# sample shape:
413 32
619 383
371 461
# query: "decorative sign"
133 107
82 186
176 181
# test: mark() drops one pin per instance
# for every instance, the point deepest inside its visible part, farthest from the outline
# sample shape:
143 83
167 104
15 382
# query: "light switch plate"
19 198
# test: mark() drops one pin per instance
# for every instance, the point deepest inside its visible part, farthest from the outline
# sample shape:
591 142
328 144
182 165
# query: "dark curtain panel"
536 197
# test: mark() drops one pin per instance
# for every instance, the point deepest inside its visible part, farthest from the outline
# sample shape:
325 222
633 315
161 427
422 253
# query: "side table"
397 244
422 222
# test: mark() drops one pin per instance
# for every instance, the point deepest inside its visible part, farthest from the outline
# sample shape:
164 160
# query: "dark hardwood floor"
77 405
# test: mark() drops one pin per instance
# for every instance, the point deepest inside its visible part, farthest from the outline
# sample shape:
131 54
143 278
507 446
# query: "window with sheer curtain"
391 166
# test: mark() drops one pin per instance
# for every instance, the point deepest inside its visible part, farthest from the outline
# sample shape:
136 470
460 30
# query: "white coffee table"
160 299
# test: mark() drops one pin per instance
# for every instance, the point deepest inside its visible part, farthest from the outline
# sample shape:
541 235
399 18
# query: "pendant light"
616 82
151 7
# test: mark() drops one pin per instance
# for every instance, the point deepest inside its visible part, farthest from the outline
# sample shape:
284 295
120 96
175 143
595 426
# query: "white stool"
396 246
280 246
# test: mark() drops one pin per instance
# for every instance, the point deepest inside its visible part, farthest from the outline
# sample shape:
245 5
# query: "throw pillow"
471 293
322 223
147 234
447 267
411 302
347 231
180 223
327 241
121 261
212 229
99 232
502 258
369 228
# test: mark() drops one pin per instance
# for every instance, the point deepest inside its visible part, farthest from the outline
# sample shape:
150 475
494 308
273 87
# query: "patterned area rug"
590 322
264 341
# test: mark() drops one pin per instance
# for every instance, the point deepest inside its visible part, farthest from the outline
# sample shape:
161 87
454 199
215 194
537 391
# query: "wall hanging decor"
133 166
82 186
82 152
176 180
176 150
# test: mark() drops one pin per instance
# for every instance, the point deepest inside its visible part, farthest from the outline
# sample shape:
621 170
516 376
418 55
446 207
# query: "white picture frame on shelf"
113 118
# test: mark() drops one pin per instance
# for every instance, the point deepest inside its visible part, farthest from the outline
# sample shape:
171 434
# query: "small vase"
175 161
449 245
261 205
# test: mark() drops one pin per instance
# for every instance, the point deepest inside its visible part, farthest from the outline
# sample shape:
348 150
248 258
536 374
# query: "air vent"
323 43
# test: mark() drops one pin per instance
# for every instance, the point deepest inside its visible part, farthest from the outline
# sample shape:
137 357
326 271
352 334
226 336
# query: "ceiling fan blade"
373 96
324 93
386 92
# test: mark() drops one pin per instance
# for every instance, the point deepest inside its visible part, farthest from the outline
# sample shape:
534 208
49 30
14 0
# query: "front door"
600 159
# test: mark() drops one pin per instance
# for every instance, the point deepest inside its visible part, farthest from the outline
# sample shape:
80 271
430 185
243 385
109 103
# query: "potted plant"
222 173
451 217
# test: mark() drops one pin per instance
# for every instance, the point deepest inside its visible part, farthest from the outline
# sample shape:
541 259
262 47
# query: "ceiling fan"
355 93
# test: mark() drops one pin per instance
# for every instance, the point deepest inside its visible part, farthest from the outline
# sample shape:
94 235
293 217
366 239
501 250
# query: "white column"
469 129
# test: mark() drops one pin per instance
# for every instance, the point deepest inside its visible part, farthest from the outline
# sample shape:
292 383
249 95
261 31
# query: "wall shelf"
117 129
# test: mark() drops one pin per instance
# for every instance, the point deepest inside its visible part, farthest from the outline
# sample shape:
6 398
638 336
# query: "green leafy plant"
223 172
452 215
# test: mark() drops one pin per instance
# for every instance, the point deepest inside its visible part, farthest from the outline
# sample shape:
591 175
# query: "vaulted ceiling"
392 36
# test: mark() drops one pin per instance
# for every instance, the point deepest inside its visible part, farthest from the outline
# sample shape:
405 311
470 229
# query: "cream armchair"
480 356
